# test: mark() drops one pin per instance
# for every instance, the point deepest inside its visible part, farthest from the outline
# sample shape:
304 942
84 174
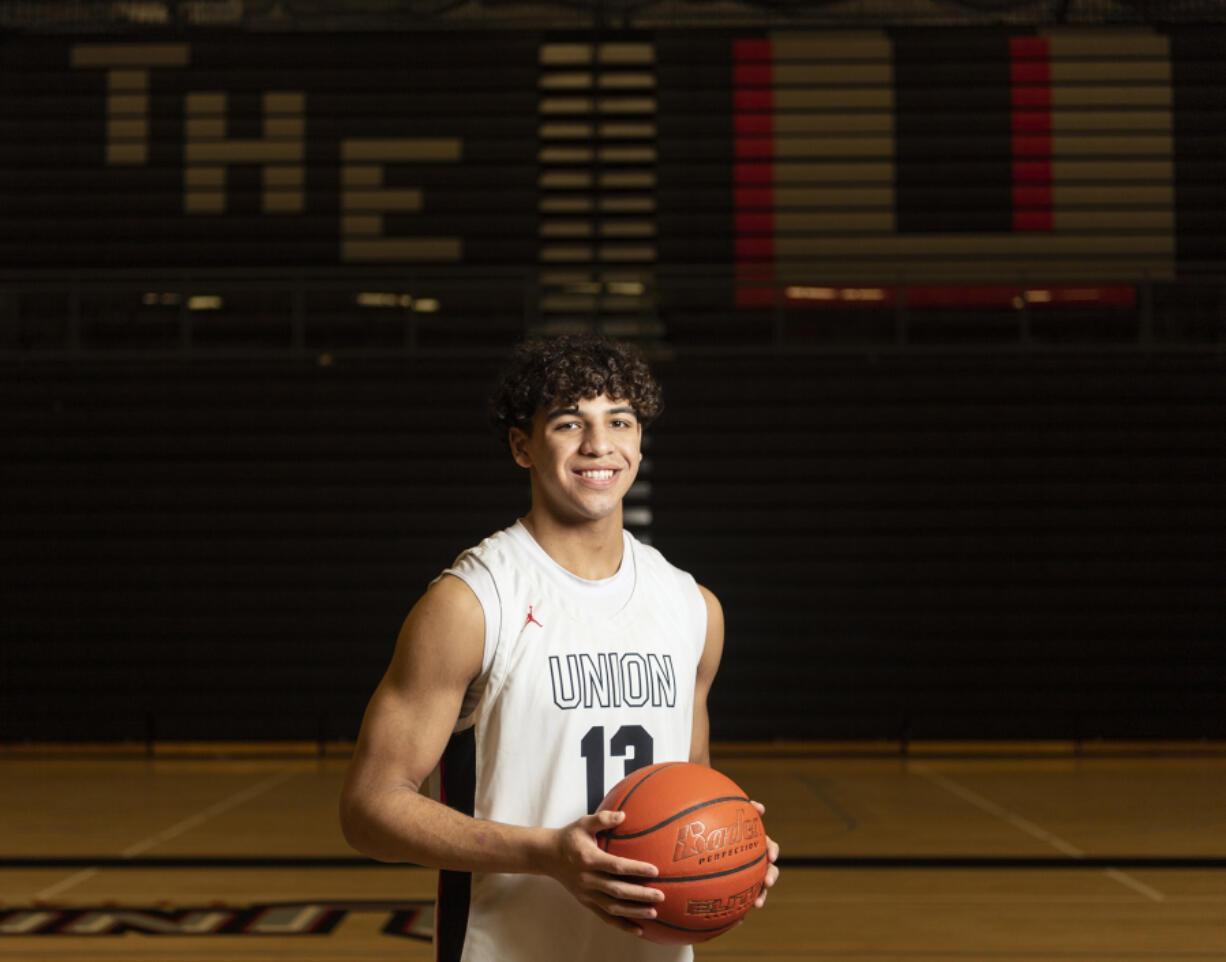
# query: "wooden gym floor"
1026 853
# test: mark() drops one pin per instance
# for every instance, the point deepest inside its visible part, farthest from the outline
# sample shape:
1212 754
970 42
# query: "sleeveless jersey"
568 706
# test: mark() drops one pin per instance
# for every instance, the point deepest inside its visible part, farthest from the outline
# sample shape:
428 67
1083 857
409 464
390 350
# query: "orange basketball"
698 828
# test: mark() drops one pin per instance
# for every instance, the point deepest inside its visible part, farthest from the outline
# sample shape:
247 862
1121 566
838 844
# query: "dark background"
945 524
1007 547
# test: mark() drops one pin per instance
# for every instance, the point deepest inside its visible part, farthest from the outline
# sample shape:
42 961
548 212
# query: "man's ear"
518 439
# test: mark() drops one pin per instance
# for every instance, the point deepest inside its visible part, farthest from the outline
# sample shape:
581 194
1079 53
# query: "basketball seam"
663 767
670 879
677 815
689 928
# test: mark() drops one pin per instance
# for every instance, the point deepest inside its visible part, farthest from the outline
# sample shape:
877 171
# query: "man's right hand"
602 882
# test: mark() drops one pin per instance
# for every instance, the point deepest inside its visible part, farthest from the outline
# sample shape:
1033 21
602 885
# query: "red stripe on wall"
1032 195
753 197
752 100
754 222
1030 145
1033 220
755 147
753 172
754 125
1030 77
1032 172
755 284
749 248
1031 121
1029 71
751 74
752 49
1032 98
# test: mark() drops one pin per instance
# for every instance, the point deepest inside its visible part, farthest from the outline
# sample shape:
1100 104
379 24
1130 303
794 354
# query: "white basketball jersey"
569 705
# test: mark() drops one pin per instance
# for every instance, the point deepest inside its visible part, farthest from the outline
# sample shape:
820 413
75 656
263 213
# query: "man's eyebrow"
574 410
562 412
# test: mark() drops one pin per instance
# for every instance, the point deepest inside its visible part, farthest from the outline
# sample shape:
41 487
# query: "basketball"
699 829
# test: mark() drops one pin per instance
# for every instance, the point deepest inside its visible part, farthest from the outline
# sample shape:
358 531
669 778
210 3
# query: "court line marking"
64 885
186 825
259 788
1135 884
1031 829
821 788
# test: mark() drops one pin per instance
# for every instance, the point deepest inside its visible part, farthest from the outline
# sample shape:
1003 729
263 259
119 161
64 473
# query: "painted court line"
259 788
65 884
1135 884
1031 829
233 801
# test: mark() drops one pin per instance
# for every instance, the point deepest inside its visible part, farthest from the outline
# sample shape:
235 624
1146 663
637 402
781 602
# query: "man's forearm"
406 826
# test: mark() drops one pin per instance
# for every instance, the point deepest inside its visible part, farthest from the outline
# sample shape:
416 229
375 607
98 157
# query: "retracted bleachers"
960 548
904 546
214 550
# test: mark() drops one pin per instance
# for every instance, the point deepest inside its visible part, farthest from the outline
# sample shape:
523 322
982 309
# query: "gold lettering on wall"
365 199
279 152
127 69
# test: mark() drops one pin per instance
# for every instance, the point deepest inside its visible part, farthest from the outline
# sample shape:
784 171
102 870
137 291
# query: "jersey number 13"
629 739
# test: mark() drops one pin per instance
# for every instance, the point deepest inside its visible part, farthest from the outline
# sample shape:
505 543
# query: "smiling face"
582 458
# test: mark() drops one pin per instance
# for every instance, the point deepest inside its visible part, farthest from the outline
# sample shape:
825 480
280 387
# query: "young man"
547 663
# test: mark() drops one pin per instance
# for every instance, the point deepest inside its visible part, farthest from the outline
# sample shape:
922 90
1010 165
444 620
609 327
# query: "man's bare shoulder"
443 633
448 599
708 596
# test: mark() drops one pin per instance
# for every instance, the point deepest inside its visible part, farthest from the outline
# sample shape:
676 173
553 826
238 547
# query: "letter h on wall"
207 152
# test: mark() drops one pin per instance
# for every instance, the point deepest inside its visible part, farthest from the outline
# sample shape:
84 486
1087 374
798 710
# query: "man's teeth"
597 475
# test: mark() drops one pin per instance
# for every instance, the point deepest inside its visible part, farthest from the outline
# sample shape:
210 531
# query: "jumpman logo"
532 619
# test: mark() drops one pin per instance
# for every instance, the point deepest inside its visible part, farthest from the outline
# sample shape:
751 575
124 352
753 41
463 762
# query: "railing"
326 314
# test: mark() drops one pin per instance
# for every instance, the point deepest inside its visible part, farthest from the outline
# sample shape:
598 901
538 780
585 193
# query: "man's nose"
596 441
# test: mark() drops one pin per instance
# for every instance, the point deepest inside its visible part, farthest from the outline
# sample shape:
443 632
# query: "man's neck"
591 550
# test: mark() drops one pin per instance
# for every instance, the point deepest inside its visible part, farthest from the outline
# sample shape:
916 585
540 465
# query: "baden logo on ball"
699 829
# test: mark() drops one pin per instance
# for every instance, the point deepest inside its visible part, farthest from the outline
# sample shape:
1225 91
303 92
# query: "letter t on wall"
127 69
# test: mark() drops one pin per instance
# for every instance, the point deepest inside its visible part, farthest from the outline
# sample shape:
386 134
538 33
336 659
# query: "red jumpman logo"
532 619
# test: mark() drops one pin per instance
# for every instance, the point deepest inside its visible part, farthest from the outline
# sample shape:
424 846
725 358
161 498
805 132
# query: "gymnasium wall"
906 546
984 546
1005 540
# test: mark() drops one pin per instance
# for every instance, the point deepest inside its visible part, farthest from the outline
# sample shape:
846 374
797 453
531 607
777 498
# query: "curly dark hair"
560 371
